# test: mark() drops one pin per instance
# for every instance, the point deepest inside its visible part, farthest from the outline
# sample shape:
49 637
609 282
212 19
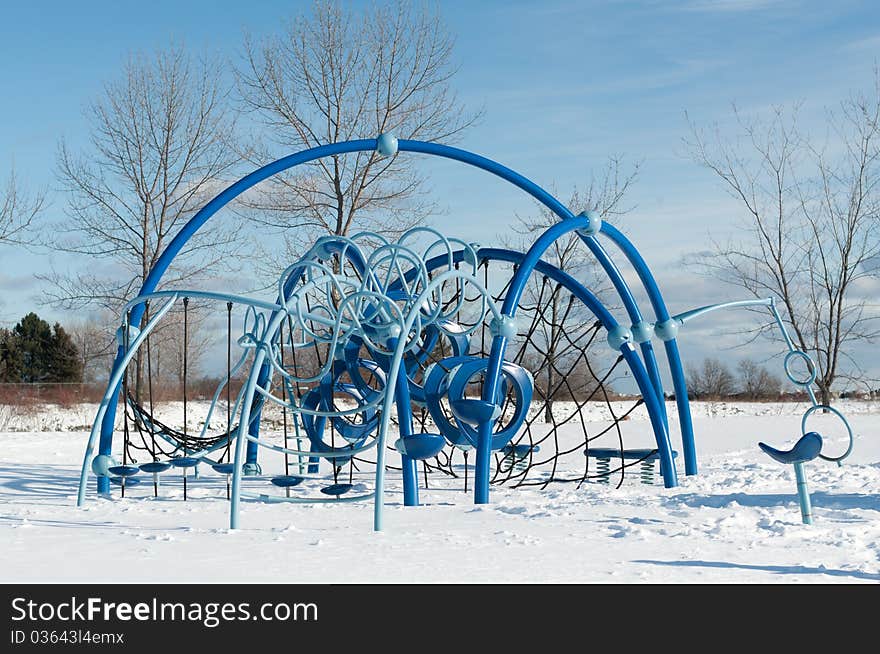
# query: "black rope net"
161 440
563 346
150 438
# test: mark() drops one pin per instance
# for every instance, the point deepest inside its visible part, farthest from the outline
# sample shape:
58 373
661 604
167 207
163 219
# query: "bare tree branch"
18 213
159 148
337 75
810 229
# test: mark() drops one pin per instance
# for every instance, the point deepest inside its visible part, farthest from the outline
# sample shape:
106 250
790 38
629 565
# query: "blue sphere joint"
594 223
618 337
322 249
667 330
504 327
133 333
470 256
642 331
386 145
102 463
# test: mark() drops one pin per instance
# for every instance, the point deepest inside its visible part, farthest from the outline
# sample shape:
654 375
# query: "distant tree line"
713 379
36 352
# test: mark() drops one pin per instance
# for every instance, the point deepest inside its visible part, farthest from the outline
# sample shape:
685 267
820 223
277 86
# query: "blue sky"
563 84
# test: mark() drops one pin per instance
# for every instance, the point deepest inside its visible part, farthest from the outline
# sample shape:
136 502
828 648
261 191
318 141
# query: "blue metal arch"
640 374
672 354
290 161
511 301
496 357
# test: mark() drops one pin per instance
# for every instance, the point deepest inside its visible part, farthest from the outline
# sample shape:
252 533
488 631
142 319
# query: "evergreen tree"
32 339
34 352
65 364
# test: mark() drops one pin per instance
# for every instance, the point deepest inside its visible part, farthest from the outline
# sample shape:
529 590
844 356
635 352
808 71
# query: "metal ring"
810 366
845 422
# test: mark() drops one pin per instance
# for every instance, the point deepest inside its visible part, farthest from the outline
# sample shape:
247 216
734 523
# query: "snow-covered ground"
737 521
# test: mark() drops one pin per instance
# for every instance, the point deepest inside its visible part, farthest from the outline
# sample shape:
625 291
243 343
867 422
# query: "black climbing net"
575 405
145 435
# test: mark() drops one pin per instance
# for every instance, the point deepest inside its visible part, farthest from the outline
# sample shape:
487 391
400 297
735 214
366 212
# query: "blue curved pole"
563 213
639 372
405 423
673 355
496 356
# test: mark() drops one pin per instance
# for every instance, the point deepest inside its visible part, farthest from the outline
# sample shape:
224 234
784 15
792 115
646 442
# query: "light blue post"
111 396
241 438
803 493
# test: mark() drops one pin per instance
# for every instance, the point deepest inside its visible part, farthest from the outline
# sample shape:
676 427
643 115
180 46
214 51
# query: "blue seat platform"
645 457
155 466
806 449
336 489
223 468
287 481
474 412
185 462
129 481
632 455
421 446
124 471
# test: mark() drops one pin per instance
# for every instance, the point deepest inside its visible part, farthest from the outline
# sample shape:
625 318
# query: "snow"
737 521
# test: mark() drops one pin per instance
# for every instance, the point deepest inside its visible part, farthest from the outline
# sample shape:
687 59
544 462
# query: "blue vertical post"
405 418
654 375
483 464
253 449
105 446
803 493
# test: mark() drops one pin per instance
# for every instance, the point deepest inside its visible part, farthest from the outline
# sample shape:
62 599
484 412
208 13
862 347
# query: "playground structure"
431 332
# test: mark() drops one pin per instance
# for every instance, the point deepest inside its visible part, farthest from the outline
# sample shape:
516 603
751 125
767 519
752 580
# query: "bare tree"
756 382
712 379
158 149
566 321
18 211
337 75
810 229
95 344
